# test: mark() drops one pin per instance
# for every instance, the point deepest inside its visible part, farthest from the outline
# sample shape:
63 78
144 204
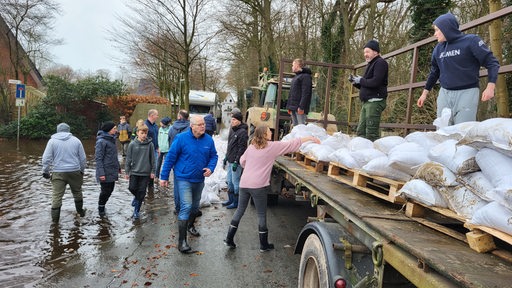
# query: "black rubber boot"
79 205
101 210
191 228
182 238
55 215
264 245
229 238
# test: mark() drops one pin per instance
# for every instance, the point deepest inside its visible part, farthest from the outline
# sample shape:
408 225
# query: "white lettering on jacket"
450 53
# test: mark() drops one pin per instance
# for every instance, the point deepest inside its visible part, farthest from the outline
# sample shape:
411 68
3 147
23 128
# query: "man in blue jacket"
193 157
456 62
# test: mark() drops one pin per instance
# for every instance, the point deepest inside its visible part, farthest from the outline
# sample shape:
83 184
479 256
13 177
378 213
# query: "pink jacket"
258 163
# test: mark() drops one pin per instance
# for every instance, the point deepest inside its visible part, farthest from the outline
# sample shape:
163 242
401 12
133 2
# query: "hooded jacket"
177 127
301 89
456 62
105 153
374 83
237 143
189 156
64 153
210 122
140 158
152 132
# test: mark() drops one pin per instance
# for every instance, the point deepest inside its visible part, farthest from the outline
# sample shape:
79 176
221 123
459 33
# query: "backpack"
123 136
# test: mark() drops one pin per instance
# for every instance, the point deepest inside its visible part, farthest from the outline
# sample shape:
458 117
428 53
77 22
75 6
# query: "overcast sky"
84 25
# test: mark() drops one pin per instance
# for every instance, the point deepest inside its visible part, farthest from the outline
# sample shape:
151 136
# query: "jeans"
298 118
190 195
259 196
233 178
176 194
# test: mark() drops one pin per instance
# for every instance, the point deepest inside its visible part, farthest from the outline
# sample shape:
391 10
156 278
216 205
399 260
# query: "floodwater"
31 248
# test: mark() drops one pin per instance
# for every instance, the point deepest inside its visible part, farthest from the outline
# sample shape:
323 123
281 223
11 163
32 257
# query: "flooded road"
115 251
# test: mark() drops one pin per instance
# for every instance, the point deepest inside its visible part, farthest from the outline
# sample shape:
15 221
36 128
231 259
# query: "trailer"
359 240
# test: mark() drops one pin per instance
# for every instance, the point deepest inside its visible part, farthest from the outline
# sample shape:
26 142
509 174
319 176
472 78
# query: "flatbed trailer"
358 240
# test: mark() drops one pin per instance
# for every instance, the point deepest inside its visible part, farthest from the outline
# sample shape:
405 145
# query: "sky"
83 25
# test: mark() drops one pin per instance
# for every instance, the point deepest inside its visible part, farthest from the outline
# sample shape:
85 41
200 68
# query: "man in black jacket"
237 144
301 89
373 90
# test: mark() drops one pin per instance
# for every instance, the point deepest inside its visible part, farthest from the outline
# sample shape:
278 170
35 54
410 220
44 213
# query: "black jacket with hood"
301 90
237 143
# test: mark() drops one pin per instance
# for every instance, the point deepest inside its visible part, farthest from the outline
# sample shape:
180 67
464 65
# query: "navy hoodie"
456 62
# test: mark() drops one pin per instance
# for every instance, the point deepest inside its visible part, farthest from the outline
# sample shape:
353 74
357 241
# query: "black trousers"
106 191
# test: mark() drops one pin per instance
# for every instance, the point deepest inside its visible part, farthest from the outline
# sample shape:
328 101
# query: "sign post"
20 101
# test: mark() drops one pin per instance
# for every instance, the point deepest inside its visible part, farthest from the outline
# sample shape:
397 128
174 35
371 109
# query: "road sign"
20 102
20 91
14 81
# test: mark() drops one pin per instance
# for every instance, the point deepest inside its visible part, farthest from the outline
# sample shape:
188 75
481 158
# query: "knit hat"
107 126
373 44
166 121
235 110
237 116
63 127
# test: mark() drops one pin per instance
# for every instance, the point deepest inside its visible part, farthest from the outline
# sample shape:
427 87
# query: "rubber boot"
136 209
191 228
264 245
182 238
55 215
230 199
229 238
233 205
79 205
101 210
133 201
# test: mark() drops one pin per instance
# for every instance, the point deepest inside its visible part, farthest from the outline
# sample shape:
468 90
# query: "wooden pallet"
377 186
312 163
479 238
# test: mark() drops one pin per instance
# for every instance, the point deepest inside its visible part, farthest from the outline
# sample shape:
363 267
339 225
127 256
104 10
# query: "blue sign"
20 91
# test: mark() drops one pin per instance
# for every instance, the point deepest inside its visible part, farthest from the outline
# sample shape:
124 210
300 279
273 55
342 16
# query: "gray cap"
235 110
63 127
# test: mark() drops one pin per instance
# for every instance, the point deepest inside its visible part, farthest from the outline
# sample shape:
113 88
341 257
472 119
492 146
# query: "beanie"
107 126
237 116
373 44
235 110
166 121
63 127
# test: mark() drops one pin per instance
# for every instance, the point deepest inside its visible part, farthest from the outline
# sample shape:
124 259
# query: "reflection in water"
31 247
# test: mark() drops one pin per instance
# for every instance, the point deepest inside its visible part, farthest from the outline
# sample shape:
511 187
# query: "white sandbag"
495 216
358 143
407 157
436 174
459 159
302 130
425 139
461 200
380 167
503 195
478 184
496 166
342 156
493 133
320 152
444 119
419 190
457 131
363 156
385 144
337 141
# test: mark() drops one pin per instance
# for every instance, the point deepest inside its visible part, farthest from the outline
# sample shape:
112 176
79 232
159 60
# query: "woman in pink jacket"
257 162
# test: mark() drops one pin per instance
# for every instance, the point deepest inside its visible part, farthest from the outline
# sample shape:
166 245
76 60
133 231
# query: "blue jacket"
210 122
105 153
189 156
457 61
152 133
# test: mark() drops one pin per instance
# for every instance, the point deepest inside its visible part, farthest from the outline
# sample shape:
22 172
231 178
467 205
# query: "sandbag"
407 157
420 191
459 159
380 167
436 174
385 144
496 166
342 156
495 133
461 200
495 216
363 156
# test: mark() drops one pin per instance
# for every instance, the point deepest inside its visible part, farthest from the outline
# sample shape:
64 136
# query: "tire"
313 271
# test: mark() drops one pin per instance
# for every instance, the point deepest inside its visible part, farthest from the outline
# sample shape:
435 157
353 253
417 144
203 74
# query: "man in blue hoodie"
193 157
64 156
456 62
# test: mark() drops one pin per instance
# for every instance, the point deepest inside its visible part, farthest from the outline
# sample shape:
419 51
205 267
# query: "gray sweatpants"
463 103
259 196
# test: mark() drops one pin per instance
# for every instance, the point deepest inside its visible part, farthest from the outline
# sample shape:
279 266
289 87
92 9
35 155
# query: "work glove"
46 175
357 79
234 166
224 163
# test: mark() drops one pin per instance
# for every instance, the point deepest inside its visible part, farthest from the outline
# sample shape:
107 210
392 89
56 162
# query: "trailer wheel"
313 264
